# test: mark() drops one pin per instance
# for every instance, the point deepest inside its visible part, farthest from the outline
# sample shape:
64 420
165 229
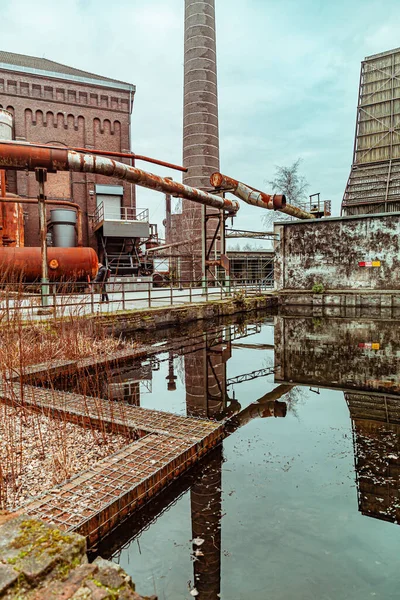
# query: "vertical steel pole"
41 177
203 249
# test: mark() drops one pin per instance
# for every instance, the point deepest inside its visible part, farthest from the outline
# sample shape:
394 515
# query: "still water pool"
302 499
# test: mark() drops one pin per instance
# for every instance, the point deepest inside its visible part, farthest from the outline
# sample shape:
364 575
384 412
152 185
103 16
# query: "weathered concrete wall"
338 353
157 318
328 252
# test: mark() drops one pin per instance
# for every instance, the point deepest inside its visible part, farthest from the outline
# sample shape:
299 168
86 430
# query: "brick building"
56 104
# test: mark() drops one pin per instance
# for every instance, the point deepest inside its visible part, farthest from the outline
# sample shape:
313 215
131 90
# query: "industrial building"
374 182
55 104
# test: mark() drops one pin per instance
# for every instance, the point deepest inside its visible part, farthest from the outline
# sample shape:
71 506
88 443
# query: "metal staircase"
120 256
119 234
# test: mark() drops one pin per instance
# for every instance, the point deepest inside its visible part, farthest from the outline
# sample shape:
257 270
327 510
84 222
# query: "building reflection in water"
331 353
207 397
362 358
376 436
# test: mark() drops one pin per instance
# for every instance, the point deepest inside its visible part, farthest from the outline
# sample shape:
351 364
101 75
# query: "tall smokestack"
200 110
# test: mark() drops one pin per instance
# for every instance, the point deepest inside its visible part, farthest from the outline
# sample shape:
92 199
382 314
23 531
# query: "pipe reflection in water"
318 446
207 396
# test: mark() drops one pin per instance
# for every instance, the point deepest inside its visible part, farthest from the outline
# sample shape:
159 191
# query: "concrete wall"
328 251
338 353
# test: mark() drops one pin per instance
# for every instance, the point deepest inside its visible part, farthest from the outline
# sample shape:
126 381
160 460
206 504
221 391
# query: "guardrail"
124 213
68 299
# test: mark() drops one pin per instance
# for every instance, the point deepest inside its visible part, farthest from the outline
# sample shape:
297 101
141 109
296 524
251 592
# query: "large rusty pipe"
133 156
28 157
79 220
247 193
130 155
256 197
266 406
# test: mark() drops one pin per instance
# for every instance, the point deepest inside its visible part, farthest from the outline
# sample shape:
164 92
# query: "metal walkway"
96 500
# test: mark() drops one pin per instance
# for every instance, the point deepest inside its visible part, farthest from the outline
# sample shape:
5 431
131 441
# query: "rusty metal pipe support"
79 220
22 156
256 197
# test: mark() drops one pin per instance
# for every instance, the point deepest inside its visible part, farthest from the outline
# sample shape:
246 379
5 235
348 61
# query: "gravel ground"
37 452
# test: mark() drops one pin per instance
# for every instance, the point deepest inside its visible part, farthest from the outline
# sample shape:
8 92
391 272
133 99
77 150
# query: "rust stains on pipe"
17 156
247 193
256 197
133 156
294 211
130 155
88 163
79 221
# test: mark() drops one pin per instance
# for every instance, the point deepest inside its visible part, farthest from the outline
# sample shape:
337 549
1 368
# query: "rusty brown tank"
65 264
12 233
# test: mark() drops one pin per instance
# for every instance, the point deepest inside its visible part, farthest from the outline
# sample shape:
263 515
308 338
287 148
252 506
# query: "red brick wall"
48 110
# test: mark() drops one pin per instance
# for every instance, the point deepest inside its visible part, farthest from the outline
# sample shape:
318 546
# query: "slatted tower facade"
374 182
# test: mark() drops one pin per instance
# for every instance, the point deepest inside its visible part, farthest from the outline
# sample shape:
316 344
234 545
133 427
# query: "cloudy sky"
288 76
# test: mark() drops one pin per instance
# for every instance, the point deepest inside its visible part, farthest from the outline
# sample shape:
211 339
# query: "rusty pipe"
133 156
79 219
22 156
257 198
247 193
130 155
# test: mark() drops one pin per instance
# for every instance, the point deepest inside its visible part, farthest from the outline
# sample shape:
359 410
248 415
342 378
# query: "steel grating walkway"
99 498
79 408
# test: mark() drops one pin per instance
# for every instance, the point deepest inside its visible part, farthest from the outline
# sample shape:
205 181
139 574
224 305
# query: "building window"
12 87
94 99
24 87
71 96
60 94
82 98
104 101
36 90
48 92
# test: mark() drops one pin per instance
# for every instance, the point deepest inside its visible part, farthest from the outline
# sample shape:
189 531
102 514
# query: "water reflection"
360 357
376 437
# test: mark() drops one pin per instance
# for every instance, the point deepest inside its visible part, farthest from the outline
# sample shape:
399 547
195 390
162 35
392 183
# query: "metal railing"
74 299
124 213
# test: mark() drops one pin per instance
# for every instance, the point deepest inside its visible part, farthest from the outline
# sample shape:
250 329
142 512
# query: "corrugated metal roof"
43 64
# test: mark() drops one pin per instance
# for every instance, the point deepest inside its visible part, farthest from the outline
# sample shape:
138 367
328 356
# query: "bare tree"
288 181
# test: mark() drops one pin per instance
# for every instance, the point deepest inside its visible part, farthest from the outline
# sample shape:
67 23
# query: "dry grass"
37 451
25 344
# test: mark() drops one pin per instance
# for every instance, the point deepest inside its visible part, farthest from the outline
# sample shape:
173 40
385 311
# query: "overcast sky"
288 76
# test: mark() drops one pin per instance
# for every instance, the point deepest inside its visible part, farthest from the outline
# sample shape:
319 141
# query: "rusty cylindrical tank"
64 264
12 216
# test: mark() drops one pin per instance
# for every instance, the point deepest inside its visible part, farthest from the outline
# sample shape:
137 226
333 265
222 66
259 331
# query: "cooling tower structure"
200 120
374 182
